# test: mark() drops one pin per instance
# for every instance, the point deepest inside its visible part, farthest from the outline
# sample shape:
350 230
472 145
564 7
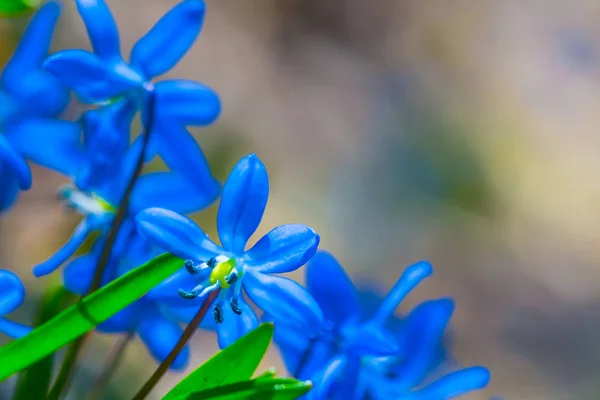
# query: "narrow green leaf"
236 363
86 314
256 389
33 383
16 8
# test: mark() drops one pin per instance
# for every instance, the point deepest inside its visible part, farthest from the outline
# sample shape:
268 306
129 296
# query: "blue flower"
156 323
29 99
98 202
103 77
377 356
12 294
231 267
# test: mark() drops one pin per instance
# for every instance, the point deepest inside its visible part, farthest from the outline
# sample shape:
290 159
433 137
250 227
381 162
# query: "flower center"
84 203
221 272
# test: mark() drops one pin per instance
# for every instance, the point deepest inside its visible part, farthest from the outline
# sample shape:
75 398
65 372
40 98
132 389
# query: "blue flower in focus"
230 267
156 323
98 202
104 77
377 356
29 100
12 294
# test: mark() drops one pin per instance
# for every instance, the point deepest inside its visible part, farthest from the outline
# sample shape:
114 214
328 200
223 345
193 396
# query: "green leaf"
256 389
86 314
16 8
236 363
34 382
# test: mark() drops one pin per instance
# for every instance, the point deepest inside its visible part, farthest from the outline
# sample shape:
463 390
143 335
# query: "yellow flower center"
221 271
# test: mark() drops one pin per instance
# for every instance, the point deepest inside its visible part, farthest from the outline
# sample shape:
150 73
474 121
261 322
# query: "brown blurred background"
464 132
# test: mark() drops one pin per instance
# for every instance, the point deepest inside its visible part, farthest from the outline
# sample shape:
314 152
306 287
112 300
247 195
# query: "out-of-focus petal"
12 292
235 326
168 41
172 191
410 278
186 102
12 160
160 336
101 28
284 249
14 329
331 374
9 188
285 300
176 234
90 77
372 340
51 143
333 290
243 203
124 321
455 384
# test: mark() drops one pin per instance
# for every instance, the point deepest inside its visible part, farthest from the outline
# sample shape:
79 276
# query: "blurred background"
464 132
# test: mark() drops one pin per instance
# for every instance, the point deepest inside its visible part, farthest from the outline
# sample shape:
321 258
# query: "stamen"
190 267
235 306
218 313
232 277
212 263
187 295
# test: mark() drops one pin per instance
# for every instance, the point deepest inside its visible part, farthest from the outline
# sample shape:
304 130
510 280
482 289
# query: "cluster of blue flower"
328 332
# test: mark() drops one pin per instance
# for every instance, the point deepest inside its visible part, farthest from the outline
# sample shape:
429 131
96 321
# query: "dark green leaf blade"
86 314
236 363
256 389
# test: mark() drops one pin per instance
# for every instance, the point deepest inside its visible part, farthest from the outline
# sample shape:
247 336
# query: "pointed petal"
284 249
79 273
53 144
9 188
243 203
285 300
372 340
456 384
12 292
186 102
14 329
176 234
235 326
410 278
331 374
333 290
160 336
168 41
101 27
15 162
124 321
172 191
90 77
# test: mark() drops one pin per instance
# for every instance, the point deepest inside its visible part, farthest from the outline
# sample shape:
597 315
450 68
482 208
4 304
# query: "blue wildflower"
157 323
98 203
231 267
12 294
377 357
103 77
29 99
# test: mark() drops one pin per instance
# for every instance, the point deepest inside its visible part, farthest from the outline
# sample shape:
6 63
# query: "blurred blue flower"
98 202
29 100
103 77
156 323
12 294
377 356
231 267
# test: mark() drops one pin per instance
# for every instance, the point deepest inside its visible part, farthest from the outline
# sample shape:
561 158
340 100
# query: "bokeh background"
464 132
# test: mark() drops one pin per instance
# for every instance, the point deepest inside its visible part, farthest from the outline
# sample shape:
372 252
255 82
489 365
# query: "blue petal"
285 300
284 249
181 152
160 336
101 27
456 384
167 292
235 326
79 273
9 188
373 341
14 329
330 375
186 102
243 203
410 278
12 292
53 144
176 234
168 41
90 77
12 160
333 290
172 191
68 249
23 77
124 321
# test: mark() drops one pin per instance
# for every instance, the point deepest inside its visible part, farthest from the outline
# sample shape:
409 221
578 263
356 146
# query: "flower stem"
68 365
183 340
110 365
